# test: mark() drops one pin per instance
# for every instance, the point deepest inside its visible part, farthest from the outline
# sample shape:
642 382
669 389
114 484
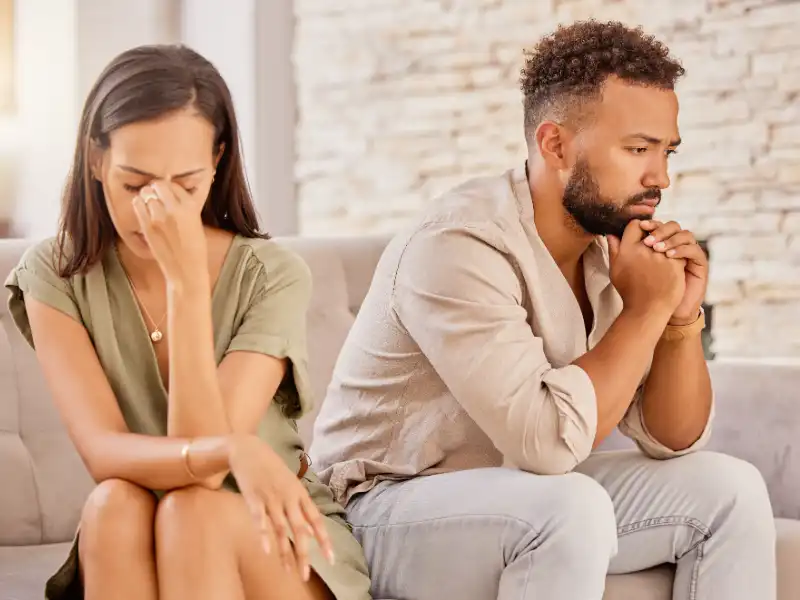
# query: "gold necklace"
156 334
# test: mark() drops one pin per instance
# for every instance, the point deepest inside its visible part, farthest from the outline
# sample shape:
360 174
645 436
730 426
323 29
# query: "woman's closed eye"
134 189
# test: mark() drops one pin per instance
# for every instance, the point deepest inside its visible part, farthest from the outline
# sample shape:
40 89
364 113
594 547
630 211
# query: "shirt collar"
596 259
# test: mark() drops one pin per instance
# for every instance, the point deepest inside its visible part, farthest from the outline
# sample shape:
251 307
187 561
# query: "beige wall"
399 100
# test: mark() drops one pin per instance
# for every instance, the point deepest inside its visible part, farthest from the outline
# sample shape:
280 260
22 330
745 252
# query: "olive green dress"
259 305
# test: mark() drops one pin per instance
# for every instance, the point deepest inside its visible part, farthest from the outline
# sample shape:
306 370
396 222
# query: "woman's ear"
95 160
220 152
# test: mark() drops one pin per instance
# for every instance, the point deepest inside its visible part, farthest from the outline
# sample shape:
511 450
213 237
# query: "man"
524 318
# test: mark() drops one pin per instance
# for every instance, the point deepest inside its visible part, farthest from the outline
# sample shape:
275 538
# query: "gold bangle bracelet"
185 455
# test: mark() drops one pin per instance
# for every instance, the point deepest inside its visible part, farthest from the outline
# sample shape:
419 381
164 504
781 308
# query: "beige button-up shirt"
461 354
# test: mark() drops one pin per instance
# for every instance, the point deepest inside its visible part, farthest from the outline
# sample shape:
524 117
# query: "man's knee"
585 515
573 515
733 488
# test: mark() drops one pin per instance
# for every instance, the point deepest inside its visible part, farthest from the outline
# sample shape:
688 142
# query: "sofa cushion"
654 584
788 549
342 271
759 421
37 459
25 569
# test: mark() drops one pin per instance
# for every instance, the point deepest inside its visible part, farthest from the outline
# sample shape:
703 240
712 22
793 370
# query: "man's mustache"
651 194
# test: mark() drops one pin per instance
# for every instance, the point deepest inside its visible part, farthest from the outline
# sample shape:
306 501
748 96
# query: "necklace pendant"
156 336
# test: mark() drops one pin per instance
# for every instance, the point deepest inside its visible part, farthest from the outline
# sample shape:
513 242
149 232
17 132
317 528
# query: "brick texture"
401 99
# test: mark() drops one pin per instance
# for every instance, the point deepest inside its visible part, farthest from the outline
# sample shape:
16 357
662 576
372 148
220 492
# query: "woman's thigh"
224 515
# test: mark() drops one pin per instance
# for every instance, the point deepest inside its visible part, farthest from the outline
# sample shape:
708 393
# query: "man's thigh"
461 530
665 508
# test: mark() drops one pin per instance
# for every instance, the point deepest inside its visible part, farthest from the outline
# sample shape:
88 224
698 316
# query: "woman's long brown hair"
141 84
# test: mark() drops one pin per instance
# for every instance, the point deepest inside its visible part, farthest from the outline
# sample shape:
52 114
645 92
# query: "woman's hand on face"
278 502
170 221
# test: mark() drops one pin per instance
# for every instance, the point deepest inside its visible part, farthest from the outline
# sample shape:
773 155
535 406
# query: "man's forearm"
618 363
196 406
677 393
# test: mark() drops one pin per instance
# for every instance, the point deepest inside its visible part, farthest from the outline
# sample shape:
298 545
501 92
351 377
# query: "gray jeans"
506 534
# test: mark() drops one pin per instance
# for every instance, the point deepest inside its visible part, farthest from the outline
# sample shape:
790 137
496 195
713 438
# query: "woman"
172 335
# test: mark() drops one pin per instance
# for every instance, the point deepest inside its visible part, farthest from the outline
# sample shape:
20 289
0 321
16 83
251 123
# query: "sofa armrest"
757 420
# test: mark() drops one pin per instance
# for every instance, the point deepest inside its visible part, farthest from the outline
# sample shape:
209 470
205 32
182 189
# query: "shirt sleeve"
459 296
633 426
36 276
274 322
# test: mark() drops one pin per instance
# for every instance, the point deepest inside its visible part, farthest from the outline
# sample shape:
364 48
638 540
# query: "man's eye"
637 150
671 151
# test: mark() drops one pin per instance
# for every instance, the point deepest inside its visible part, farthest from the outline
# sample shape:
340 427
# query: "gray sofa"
44 483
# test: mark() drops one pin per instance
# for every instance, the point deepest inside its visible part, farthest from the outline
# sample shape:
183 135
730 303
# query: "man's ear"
551 141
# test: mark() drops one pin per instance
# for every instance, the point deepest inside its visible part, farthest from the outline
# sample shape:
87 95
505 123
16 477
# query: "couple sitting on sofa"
522 319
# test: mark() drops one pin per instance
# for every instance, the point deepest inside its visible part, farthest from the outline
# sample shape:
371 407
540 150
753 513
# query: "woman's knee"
116 515
188 511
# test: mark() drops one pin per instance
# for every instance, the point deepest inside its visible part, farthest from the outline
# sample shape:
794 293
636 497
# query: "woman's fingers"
262 522
156 209
164 191
302 532
141 212
276 514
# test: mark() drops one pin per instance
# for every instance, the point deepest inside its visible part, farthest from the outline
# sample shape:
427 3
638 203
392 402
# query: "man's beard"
594 213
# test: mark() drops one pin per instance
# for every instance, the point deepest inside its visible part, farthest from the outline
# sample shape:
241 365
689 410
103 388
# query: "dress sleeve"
274 322
36 276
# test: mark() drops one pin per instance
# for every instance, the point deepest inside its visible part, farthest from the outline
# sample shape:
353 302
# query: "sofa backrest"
45 483
342 271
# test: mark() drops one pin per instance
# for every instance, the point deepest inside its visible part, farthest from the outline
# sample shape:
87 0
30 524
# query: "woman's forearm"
196 406
157 462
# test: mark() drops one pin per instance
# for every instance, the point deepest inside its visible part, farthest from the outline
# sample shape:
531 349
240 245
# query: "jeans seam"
697 548
700 548
697 525
482 516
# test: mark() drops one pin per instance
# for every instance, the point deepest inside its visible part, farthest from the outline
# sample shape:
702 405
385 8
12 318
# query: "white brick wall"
401 99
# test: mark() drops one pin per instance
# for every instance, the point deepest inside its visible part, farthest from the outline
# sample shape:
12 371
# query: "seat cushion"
24 569
655 584
788 558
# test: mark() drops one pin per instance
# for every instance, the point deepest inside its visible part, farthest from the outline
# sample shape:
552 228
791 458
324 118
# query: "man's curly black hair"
569 66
